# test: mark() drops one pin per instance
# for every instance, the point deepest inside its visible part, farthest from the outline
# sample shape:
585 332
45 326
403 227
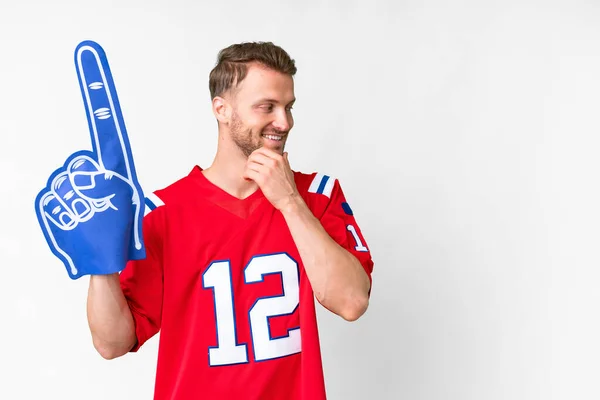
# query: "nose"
283 121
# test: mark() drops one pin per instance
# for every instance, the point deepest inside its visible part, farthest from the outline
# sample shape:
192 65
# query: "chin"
275 147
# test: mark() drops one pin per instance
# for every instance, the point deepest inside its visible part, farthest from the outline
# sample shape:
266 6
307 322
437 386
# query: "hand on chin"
271 171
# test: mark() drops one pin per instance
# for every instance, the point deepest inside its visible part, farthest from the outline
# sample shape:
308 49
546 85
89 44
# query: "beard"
246 139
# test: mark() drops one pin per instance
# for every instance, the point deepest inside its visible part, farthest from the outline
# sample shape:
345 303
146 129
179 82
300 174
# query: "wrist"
294 205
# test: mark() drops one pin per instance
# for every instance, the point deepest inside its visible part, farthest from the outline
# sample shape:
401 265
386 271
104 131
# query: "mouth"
276 138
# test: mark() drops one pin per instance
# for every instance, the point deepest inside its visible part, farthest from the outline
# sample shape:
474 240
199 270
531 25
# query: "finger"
62 191
97 187
54 218
107 129
89 179
268 153
288 165
253 175
254 166
76 208
53 211
261 158
254 170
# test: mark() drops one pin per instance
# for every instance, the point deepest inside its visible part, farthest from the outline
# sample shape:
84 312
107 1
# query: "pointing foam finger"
107 129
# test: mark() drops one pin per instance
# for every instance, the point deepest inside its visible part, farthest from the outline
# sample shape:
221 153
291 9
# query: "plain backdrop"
465 136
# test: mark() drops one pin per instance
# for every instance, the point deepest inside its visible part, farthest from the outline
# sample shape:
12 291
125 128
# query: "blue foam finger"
91 209
105 119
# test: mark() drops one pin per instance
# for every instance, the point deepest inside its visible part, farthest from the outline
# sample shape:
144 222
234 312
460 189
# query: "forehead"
261 82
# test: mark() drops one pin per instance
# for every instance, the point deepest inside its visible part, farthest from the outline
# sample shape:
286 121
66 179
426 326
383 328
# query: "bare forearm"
336 276
109 316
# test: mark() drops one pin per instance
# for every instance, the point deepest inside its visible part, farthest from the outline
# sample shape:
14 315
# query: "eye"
267 107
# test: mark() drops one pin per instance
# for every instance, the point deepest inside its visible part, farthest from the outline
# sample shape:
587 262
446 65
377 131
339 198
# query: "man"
236 254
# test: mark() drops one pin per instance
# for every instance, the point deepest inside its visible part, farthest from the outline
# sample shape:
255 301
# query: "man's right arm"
109 317
124 309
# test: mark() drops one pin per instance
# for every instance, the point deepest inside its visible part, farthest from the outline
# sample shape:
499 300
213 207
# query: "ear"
221 110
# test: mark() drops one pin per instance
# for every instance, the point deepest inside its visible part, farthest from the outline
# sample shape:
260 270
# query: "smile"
273 137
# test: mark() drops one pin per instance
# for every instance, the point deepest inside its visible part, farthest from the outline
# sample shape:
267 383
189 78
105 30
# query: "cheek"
257 122
261 125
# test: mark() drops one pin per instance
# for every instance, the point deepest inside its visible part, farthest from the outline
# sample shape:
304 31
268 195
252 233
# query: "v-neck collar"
243 208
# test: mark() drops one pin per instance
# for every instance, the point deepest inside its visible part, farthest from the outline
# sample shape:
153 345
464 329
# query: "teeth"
272 137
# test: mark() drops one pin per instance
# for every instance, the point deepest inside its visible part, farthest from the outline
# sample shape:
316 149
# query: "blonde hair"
232 64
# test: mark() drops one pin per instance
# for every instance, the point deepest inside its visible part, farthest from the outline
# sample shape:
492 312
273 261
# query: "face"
261 114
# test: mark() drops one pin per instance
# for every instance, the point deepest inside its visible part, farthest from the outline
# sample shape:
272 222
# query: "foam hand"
92 207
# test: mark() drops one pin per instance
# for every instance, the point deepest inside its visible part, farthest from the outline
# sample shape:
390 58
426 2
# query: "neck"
227 169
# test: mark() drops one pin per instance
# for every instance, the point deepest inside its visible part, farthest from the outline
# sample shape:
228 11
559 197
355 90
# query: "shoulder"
315 184
169 195
317 189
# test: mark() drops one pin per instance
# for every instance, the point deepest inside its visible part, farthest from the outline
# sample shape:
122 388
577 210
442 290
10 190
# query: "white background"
465 135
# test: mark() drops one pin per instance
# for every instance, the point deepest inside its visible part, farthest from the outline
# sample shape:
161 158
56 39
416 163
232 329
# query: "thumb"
99 184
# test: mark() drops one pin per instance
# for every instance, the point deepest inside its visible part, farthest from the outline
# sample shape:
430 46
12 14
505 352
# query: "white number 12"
218 277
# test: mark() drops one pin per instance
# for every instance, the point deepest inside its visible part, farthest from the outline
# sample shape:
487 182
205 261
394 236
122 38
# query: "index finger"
107 129
268 152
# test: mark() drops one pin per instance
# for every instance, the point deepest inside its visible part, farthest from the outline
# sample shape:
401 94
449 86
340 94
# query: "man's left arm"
341 282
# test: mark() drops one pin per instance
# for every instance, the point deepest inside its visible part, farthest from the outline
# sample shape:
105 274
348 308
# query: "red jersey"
224 283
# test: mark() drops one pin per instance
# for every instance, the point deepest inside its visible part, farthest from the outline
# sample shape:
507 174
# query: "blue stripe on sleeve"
150 204
322 185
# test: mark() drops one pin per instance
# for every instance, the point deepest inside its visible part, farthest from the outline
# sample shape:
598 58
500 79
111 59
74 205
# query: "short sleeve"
142 281
340 222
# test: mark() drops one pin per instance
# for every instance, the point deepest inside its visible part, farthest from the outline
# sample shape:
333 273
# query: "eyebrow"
269 100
